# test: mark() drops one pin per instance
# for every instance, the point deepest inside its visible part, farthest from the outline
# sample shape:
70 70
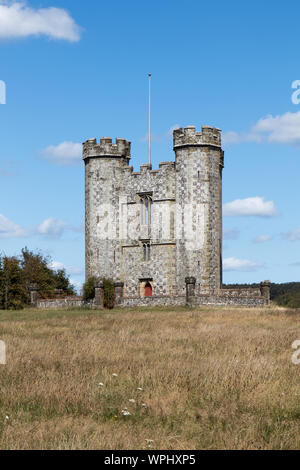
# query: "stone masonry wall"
199 163
184 236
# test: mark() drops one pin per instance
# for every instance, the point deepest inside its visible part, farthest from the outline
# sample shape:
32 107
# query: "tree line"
17 273
286 294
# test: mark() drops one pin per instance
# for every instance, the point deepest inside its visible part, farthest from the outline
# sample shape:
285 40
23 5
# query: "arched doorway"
148 290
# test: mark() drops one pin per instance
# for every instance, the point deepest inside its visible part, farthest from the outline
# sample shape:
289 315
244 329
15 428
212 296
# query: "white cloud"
18 20
292 236
56 265
77 284
52 228
9 229
72 270
252 206
241 265
282 129
262 238
230 234
66 153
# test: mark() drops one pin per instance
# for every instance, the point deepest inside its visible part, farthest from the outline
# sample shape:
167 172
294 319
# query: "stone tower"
199 165
104 163
153 229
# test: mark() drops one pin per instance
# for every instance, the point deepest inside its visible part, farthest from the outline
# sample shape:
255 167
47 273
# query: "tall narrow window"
146 251
142 211
146 209
150 211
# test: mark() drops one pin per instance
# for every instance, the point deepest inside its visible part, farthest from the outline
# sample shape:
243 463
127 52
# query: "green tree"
17 273
36 269
109 291
88 289
1 283
15 294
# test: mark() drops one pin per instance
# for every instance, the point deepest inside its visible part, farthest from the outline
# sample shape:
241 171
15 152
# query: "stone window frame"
146 208
146 245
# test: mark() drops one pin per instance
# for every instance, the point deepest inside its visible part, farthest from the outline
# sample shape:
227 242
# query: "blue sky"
75 70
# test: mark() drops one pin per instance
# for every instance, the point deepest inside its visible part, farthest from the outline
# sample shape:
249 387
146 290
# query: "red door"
148 290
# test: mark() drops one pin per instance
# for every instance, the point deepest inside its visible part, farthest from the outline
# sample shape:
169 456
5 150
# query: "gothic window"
146 251
146 209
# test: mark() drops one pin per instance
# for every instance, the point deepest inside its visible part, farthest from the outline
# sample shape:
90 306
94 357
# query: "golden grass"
212 378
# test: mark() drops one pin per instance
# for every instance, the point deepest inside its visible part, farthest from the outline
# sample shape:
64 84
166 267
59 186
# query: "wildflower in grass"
131 400
114 375
125 413
7 418
144 405
140 389
100 384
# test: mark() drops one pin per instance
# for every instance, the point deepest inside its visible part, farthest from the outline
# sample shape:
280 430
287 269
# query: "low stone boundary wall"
239 300
248 297
153 301
60 303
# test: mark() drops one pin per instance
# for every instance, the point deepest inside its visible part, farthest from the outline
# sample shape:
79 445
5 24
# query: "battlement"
189 137
106 148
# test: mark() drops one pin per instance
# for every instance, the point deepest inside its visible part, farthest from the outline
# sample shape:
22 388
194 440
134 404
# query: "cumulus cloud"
18 20
72 270
251 206
241 265
52 228
9 229
262 238
282 129
292 236
77 284
65 154
230 234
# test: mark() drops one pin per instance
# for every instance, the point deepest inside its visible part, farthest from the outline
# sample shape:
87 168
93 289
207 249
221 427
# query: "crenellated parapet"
106 148
189 137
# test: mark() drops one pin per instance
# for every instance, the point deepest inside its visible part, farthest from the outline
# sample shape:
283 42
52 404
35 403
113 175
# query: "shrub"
290 300
88 289
109 291
18 272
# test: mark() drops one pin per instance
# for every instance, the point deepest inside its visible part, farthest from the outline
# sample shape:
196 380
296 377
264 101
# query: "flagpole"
149 134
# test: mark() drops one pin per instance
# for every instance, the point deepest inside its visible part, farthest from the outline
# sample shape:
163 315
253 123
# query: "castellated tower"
152 230
104 163
199 165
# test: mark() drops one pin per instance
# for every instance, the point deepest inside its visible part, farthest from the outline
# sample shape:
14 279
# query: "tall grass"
210 378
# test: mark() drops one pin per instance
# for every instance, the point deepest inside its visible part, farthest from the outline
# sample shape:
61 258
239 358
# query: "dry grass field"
211 378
